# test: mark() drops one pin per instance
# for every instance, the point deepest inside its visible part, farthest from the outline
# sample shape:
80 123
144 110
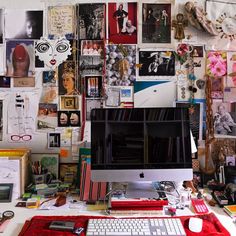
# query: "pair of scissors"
6 215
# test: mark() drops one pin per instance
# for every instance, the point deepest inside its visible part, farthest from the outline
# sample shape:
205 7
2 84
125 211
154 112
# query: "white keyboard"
125 227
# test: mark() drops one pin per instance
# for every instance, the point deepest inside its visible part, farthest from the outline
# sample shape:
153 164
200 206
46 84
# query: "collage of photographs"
116 54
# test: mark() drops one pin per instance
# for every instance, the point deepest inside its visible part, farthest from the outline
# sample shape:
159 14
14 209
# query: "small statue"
179 25
197 18
221 157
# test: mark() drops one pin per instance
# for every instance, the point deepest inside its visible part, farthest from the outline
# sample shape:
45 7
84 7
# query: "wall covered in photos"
60 59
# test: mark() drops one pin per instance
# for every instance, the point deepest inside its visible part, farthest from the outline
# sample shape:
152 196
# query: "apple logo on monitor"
141 175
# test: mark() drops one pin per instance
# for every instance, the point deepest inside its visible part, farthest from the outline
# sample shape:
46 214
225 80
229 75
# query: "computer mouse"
195 224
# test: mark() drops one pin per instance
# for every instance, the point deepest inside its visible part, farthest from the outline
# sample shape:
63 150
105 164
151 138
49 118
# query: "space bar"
118 233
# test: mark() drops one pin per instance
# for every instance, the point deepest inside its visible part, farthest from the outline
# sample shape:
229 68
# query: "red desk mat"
39 225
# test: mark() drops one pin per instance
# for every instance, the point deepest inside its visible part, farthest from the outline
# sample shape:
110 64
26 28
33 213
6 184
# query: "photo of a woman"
67 78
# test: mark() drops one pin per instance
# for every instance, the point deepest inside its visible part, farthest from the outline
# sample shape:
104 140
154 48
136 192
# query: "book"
230 210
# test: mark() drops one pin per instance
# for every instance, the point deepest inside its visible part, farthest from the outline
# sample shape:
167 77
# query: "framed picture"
156 23
6 192
156 63
69 102
54 140
50 161
93 86
122 22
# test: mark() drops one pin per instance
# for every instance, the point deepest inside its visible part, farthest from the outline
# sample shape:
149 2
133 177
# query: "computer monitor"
141 144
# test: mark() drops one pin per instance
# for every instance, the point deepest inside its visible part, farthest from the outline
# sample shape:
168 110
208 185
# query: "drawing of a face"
229 26
53 52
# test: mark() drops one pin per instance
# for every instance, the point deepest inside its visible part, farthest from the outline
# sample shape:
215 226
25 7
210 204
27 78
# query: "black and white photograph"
156 23
54 140
91 65
91 21
224 118
156 63
1 26
23 24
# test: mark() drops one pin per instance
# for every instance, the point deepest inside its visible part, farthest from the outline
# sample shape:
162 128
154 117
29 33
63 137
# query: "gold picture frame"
69 103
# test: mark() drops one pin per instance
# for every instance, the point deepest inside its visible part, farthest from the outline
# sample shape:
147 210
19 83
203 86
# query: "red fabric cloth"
39 225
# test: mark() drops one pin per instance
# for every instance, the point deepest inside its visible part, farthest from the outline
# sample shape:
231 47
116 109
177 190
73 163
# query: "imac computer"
141 145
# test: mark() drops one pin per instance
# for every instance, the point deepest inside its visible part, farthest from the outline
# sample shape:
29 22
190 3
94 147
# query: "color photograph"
156 23
122 22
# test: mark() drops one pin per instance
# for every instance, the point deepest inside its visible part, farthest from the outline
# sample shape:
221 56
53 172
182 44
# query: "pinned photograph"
217 84
126 94
23 24
67 78
156 63
224 118
91 23
156 23
92 47
229 94
54 140
24 82
47 116
50 78
231 69
93 86
122 22
197 51
20 58
49 95
68 118
61 21
5 82
120 65
91 65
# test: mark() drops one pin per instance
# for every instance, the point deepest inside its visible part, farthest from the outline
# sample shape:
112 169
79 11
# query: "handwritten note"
61 20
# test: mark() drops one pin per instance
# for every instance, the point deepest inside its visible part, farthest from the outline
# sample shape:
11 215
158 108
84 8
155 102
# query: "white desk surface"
23 214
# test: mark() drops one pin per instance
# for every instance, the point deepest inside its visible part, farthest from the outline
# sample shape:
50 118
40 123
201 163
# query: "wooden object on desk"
21 154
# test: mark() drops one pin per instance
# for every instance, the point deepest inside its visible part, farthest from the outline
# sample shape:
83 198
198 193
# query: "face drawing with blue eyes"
52 52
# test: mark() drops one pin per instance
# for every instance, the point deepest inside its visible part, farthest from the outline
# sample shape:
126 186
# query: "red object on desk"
39 225
138 204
